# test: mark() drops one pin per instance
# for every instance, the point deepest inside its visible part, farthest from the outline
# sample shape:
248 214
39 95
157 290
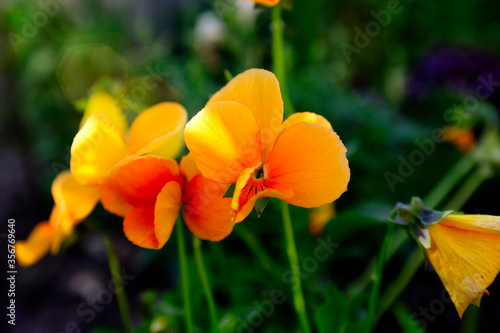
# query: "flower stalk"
181 249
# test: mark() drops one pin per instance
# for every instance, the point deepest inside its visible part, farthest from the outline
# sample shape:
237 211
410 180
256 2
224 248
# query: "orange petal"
481 223
249 189
159 130
63 224
139 179
205 212
311 160
150 225
111 201
167 208
96 149
258 90
188 167
307 117
36 246
467 262
224 139
268 3
103 103
319 217
138 226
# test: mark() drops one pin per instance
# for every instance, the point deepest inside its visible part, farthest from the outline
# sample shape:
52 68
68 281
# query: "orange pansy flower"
240 137
156 189
103 141
72 203
465 252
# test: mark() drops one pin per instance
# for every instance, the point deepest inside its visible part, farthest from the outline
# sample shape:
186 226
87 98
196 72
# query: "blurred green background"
392 89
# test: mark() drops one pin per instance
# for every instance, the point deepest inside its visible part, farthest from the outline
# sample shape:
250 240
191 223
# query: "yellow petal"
307 117
96 149
224 139
312 161
466 261
101 102
189 168
159 131
73 198
258 90
481 223
36 246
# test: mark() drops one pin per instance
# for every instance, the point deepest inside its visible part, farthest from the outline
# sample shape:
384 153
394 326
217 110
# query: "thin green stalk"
404 318
291 250
254 245
450 180
181 249
377 278
212 309
468 188
470 322
279 67
121 296
399 284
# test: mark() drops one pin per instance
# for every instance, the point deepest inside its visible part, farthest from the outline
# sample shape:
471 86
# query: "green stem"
404 318
121 296
450 180
291 250
181 249
468 188
377 279
212 309
399 284
279 67
254 245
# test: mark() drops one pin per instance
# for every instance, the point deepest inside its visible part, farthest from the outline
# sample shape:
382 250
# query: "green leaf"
230 191
333 315
260 205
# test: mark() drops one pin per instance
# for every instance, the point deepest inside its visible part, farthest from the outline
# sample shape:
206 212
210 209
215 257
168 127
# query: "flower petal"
96 149
481 223
72 198
188 167
167 208
307 117
138 226
111 201
467 262
158 131
311 160
205 212
268 3
249 189
224 139
319 218
36 246
258 90
103 103
139 179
